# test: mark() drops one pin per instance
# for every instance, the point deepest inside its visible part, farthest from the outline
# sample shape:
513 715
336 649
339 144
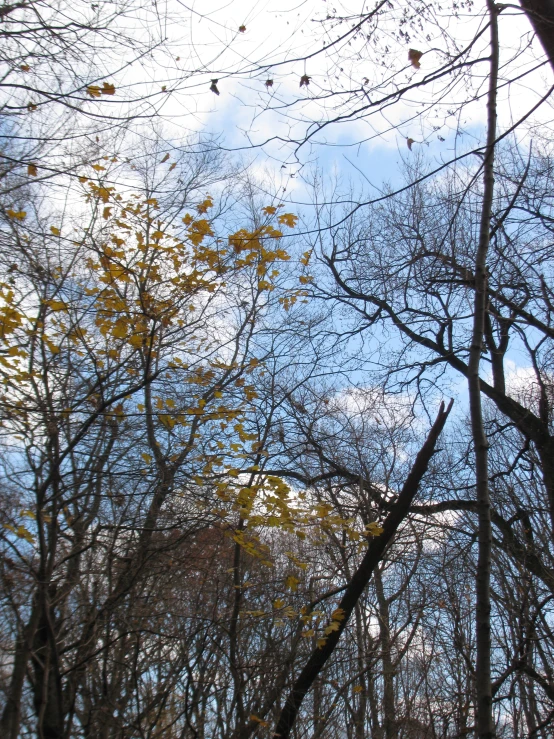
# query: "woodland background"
276 370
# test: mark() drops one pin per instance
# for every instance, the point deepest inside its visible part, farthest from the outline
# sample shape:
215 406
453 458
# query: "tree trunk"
484 717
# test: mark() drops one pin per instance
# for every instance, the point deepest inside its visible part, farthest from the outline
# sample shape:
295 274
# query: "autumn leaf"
32 170
108 89
258 720
94 91
292 583
269 210
410 142
147 458
414 56
304 80
165 158
17 215
31 107
55 231
213 87
288 219
98 167
242 29
269 83
25 68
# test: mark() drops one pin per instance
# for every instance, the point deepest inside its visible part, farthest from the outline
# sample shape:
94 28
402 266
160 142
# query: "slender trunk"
484 717
11 716
389 709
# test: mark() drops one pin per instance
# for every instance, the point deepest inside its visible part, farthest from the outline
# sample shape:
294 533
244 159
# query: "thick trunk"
541 16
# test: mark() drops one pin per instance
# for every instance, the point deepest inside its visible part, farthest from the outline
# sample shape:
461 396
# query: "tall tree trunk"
389 705
484 718
541 16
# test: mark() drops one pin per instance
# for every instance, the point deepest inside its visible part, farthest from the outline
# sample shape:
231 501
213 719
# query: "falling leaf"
410 142
242 29
269 83
213 87
32 170
414 56
304 80
166 157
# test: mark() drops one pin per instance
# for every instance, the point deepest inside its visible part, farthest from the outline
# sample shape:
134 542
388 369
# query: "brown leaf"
213 87
269 83
242 29
108 89
25 68
32 170
410 142
414 56
166 157
304 80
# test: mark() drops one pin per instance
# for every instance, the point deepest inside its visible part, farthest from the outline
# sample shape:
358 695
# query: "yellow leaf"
56 305
288 219
94 91
147 458
98 167
292 583
106 213
373 529
32 170
55 231
308 633
279 603
333 626
321 643
269 210
358 688
338 614
17 215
